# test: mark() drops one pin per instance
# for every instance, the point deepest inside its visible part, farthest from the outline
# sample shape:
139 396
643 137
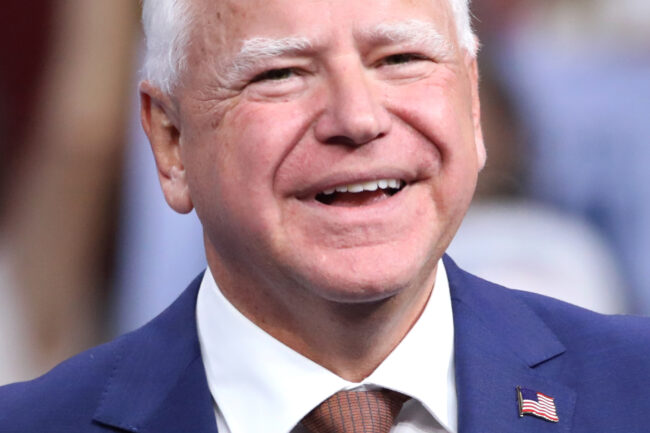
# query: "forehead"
226 23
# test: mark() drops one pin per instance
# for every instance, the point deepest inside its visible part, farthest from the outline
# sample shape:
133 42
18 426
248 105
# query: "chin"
355 292
359 282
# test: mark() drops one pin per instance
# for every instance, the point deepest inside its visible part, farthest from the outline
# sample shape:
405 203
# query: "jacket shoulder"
595 364
623 336
60 398
606 361
573 325
593 342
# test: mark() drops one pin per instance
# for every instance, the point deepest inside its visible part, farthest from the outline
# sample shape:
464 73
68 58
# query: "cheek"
439 109
264 145
241 157
257 137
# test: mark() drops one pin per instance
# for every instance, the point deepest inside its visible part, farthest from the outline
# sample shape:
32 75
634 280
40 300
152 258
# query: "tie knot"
356 412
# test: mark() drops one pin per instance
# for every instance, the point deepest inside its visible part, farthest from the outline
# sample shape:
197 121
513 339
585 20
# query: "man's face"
286 101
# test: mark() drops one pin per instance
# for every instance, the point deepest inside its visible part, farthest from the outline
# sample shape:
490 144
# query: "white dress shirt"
261 385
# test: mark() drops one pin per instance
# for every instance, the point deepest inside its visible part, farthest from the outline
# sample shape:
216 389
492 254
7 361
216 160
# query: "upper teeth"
372 185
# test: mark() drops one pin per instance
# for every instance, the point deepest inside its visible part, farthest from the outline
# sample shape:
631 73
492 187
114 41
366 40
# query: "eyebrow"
414 32
256 50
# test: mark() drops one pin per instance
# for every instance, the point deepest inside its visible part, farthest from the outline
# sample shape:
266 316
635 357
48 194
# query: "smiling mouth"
361 194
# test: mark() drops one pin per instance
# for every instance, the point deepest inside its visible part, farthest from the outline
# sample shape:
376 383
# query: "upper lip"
339 178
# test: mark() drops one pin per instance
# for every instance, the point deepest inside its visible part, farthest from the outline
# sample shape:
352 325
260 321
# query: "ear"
161 124
472 69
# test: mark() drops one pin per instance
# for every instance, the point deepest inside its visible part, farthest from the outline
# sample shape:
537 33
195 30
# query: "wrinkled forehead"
228 24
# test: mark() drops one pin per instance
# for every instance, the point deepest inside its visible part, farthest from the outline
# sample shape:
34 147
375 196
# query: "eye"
398 59
274 75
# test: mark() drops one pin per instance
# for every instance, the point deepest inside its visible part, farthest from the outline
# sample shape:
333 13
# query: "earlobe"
160 123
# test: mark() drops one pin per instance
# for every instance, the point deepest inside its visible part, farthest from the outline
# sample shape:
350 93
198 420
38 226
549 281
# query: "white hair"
462 15
167 25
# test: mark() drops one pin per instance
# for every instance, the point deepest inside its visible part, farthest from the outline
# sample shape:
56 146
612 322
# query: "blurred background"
89 249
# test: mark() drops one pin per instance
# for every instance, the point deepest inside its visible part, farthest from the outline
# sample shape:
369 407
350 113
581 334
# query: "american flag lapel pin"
536 404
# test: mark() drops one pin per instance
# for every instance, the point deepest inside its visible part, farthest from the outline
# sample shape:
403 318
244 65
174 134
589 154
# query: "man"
330 150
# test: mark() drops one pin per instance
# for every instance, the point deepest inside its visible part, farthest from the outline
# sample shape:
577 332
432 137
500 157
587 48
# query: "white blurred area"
534 248
15 354
590 22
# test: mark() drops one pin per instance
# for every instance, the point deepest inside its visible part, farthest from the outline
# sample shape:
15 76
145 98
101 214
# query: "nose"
354 114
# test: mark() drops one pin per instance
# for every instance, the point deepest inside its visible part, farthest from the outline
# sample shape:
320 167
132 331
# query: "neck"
349 339
358 337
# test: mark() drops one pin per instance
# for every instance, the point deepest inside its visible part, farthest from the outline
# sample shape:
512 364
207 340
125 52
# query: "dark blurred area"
19 80
88 248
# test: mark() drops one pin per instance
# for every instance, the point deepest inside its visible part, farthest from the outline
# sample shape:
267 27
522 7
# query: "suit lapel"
158 382
500 343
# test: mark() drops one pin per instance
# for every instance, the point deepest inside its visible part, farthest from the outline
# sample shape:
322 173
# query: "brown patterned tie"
356 412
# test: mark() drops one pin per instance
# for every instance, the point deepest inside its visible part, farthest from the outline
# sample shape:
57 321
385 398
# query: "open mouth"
361 194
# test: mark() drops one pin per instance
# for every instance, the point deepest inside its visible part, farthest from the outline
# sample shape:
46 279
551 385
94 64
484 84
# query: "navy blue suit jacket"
152 380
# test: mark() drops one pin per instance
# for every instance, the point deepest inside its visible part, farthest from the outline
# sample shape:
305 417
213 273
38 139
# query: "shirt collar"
250 372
